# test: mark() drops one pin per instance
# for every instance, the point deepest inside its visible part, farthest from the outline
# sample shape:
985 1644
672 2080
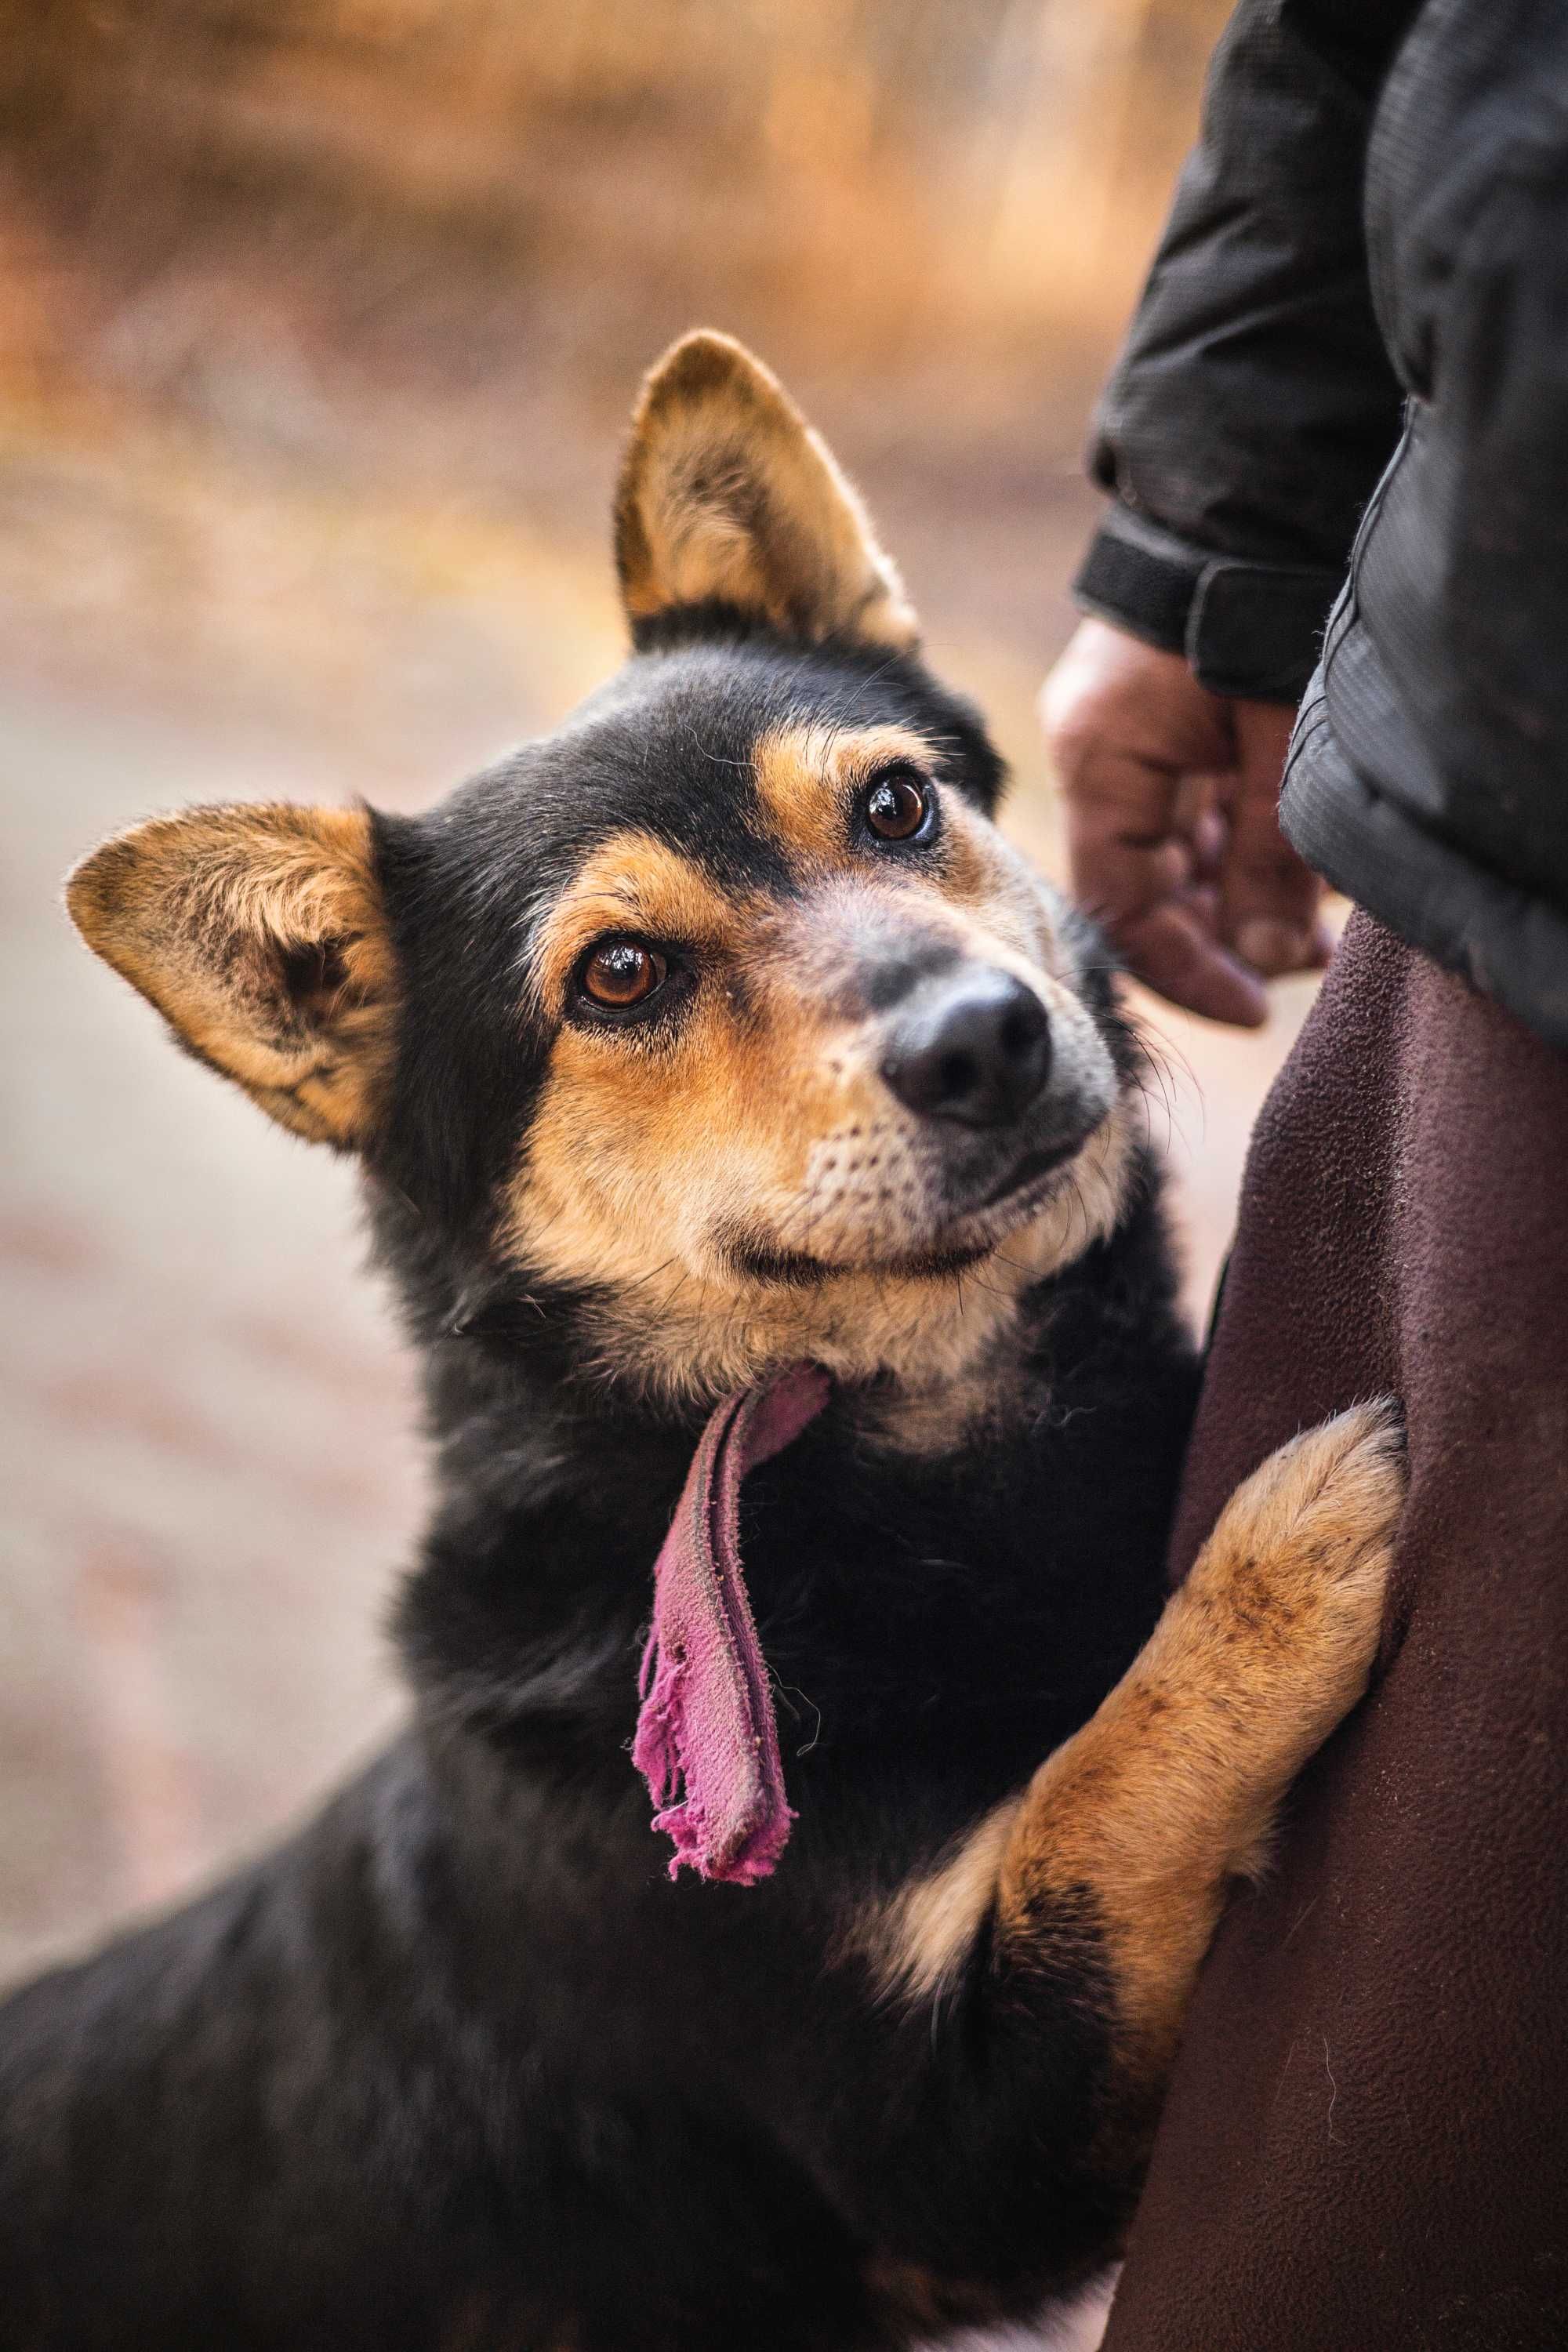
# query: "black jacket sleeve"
1253 405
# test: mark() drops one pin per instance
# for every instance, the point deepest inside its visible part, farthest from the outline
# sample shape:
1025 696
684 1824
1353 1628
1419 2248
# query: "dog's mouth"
1029 1171
1032 1181
962 1239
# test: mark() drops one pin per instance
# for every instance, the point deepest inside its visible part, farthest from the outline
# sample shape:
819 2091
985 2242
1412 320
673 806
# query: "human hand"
1171 796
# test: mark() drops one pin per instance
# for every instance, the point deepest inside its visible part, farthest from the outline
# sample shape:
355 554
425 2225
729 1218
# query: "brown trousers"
1366 2147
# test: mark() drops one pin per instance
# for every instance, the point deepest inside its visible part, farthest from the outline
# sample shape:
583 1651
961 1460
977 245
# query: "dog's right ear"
727 496
260 936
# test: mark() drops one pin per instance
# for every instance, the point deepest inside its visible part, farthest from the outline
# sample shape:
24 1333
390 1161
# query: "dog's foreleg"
1112 1865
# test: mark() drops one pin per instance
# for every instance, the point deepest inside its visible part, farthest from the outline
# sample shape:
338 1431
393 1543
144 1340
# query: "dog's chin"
957 1242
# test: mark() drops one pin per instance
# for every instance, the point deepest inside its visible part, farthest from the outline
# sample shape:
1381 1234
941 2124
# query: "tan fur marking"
993 882
631 883
727 493
208 914
920 1937
807 777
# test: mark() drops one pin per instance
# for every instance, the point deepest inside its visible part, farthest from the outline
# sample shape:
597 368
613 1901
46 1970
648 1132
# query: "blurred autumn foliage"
876 180
317 314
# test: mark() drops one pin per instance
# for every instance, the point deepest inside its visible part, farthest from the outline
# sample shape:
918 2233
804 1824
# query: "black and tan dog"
717 1032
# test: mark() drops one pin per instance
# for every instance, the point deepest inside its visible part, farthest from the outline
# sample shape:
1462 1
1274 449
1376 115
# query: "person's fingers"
1170 794
1154 886
1173 950
1123 852
1269 899
1126 725
1198 816
1146 889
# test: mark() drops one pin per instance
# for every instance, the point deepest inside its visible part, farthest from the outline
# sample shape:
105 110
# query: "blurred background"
320 320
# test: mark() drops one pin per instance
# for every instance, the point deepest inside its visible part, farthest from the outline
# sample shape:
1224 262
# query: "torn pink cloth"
707 1740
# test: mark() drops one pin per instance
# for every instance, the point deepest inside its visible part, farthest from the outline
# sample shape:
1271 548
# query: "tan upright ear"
260 935
727 494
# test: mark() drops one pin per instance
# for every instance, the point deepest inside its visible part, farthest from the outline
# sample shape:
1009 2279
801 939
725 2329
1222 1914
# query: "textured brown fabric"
1366 2147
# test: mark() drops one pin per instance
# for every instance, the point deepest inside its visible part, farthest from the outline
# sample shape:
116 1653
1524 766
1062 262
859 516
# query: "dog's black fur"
460 2066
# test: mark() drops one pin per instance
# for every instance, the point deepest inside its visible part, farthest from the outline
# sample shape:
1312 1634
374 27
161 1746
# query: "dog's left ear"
259 934
727 496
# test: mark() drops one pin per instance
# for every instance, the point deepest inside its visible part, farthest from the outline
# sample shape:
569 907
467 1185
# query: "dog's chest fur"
968 1610
931 1631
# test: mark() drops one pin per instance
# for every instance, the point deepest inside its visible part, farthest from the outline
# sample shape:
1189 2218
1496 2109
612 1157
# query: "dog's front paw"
1295 1575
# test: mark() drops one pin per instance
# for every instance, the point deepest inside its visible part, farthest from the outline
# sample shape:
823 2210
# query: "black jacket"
1373 228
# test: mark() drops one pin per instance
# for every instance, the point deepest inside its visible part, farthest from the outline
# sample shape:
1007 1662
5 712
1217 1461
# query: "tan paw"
1293 1580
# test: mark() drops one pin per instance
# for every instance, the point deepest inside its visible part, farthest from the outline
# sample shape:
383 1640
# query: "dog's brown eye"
898 805
622 973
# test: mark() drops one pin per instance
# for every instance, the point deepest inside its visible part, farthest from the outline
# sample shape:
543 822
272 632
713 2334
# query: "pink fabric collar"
707 1741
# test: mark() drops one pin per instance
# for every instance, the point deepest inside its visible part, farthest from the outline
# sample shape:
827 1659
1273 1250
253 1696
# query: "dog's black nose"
974 1047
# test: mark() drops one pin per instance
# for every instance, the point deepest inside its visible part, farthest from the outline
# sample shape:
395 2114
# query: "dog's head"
722 1023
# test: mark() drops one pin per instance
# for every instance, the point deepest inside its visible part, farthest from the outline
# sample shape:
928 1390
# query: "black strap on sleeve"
1247 629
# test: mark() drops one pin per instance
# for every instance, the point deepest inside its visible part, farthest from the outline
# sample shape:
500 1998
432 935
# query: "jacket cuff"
1245 629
